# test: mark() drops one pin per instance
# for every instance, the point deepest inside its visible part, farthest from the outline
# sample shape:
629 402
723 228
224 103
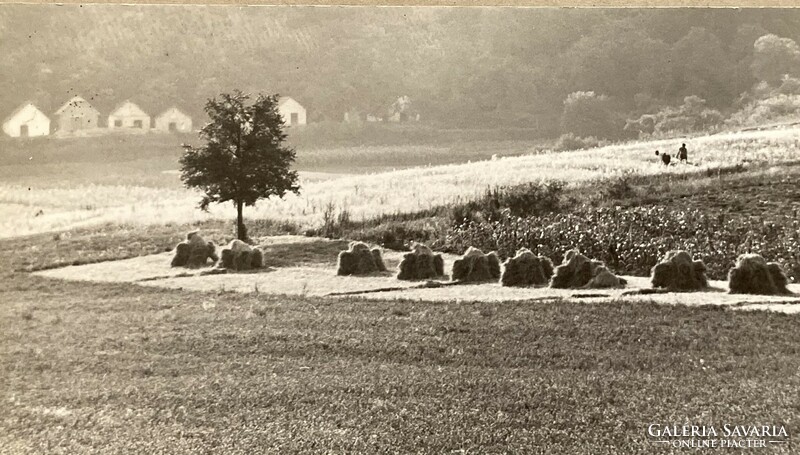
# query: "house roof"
176 110
20 109
128 109
284 99
76 102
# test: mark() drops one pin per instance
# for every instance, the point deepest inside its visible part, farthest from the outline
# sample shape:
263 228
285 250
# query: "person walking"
683 154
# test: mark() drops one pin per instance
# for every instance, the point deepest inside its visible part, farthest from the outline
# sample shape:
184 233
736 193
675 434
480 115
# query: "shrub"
773 108
691 116
519 200
619 188
589 114
569 141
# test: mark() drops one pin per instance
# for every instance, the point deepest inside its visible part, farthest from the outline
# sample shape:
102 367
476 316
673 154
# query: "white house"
27 121
77 114
293 113
128 115
173 120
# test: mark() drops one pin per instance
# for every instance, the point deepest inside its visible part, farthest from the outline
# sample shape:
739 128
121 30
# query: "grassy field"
47 203
117 368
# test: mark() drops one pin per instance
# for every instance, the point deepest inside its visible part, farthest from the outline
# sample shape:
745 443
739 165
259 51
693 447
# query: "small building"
27 121
402 110
173 120
293 113
128 115
77 114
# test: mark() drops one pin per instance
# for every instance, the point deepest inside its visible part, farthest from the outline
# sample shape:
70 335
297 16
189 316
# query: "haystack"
476 266
578 271
678 272
526 269
358 259
754 275
420 264
240 256
194 252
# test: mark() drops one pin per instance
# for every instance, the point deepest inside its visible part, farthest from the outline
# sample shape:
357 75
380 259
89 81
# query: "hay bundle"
754 275
578 271
358 259
526 269
603 278
194 252
240 256
476 266
420 264
679 272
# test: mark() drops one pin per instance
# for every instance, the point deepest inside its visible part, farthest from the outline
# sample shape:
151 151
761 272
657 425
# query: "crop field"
46 203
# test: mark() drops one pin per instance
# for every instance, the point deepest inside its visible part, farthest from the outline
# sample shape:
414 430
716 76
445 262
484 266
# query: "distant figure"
683 154
665 158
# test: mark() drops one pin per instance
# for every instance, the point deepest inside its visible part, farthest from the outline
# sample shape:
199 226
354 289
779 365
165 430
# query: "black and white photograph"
330 229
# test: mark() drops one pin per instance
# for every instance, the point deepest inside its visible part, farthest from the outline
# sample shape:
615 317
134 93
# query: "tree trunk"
241 231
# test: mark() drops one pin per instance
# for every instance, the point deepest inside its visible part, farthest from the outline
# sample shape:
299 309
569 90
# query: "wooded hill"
462 67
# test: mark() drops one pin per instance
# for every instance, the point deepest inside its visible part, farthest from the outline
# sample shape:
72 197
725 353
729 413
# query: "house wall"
128 121
73 121
183 123
288 108
38 123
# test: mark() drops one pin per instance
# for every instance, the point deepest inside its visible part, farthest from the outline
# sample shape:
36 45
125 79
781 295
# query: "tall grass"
372 195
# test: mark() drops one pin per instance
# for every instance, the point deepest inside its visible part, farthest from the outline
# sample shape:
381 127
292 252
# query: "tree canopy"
244 158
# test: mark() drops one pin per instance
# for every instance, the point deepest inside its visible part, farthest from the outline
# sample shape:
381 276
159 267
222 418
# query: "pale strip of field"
318 280
408 190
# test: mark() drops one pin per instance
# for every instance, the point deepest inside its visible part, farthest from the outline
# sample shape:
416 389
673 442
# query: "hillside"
461 67
139 190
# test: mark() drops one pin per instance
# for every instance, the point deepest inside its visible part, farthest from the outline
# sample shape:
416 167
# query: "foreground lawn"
126 369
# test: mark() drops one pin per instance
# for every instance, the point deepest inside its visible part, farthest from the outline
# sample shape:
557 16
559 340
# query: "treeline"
461 67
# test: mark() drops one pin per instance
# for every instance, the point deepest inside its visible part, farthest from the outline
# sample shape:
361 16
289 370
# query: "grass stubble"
118 368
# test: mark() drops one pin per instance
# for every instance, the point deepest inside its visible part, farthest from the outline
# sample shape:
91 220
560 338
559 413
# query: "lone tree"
244 158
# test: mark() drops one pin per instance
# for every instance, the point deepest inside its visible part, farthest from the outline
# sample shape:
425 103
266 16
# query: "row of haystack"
751 275
677 271
475 266
195 252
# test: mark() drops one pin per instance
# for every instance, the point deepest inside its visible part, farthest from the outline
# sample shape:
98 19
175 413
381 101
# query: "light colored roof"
76 102
128 109
284 99
20 109
171 110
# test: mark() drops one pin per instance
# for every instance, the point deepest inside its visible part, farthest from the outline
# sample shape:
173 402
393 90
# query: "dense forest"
461 67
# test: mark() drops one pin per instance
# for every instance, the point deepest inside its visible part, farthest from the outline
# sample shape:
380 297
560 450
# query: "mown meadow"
118 368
